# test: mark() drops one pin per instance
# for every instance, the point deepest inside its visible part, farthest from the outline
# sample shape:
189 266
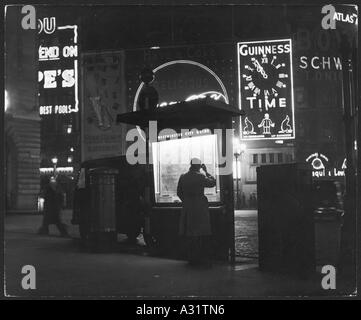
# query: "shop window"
263 158
255 158
271 158
171 159
251 174
280 157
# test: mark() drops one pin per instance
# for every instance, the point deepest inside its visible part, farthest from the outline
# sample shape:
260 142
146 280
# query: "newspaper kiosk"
174 134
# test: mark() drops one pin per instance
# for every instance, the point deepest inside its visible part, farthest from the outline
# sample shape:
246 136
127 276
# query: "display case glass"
171 158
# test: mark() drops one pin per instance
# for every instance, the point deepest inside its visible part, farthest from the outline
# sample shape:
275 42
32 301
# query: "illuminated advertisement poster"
104 97
171 159
58 68
266 89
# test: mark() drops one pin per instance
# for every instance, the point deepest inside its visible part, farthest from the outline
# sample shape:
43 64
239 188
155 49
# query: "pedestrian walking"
53 200
81 209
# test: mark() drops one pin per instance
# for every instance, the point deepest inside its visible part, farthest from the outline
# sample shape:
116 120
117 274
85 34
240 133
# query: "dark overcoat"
194 219
53 200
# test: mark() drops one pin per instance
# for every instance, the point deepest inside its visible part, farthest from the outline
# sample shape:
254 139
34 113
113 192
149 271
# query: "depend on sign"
49 77
58 70
53 53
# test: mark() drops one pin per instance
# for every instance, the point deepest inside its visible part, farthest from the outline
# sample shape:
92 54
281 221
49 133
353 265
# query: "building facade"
22 122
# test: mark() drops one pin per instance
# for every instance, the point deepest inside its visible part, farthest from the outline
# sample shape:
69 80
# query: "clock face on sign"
265 89
265 76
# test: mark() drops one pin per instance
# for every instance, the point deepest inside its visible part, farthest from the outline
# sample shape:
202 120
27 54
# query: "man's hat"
196 161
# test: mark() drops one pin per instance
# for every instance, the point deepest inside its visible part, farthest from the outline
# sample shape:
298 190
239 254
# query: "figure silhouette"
266 124
248 129
285 125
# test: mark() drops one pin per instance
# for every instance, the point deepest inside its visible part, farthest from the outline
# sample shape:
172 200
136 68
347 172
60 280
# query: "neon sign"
319 162
331 16
58 169
211 94
265 80
189 62
47 25
58 68
323 63
344 164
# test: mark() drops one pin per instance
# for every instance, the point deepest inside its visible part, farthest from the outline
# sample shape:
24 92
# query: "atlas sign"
331 16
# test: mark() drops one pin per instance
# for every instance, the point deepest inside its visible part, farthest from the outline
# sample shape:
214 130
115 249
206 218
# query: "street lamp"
54 161
6 102
238 149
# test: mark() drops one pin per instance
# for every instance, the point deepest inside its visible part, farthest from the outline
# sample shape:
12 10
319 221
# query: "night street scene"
181 152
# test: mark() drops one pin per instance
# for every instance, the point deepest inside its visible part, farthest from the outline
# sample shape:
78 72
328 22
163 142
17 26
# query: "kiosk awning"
182 113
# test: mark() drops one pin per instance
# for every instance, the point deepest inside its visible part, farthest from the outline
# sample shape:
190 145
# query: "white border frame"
76 88
292 93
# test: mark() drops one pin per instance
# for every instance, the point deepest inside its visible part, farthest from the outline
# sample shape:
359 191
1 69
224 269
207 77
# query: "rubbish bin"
328 225
285 219
103 234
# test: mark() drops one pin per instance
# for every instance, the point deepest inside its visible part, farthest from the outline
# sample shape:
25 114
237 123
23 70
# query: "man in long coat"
81 208
52 208
195 220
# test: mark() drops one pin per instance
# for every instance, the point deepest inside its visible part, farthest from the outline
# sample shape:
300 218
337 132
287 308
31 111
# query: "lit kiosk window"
200 128
171 158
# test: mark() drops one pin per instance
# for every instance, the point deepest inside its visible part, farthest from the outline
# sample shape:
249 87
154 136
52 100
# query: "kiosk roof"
184 113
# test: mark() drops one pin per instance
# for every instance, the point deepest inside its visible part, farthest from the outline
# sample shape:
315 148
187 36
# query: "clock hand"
260 69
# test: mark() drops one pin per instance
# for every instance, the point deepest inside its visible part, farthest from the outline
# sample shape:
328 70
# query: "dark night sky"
126 27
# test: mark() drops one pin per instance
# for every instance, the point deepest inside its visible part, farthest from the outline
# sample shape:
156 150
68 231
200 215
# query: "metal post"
349 229
54 161
237 182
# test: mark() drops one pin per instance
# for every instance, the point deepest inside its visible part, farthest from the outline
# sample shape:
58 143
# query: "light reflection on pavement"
246 233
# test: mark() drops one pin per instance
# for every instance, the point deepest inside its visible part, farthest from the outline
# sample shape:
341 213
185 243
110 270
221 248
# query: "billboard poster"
58 68
104 97
265 82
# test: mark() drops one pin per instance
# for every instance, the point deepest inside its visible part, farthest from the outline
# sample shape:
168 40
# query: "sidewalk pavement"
62 270
246 233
